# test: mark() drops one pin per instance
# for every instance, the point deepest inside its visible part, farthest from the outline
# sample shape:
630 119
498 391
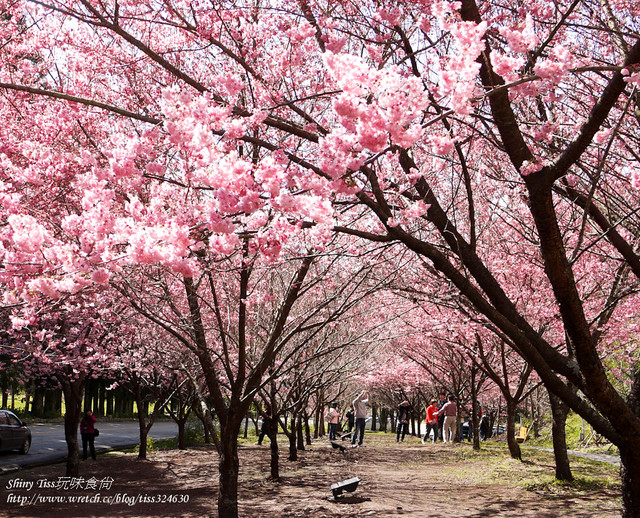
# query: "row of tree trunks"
43 402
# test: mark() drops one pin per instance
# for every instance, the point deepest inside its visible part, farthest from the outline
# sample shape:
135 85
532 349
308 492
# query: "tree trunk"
514 447
383 420
202 411
27 402
37 406
109 403
630 475
293 450
374 417
307 430
181 426
101 398
72 391
475 422
559 412
316 429
275 460
321 430
535 415
52 403
4 385
300 433
142 424
207 437
88 397
273 434
229 466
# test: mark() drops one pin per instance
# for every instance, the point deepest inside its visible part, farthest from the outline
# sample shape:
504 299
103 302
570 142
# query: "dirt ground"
409 479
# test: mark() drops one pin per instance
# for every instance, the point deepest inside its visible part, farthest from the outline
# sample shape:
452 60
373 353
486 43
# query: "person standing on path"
87 431
267 423
404 412
350 415
333 418
432 421
449 410
485 430
442 400
360 410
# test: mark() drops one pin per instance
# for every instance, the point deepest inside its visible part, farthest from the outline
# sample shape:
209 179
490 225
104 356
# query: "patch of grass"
493 465
579 484
573 434
151 445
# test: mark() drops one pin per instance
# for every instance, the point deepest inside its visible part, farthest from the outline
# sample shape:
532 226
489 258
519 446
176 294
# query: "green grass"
573 436
579 484
535 473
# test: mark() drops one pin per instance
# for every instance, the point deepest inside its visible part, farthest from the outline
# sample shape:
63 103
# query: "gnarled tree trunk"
275 459
299 433
72 391
291 435
559 412
514 447
229 465
630 475
475 422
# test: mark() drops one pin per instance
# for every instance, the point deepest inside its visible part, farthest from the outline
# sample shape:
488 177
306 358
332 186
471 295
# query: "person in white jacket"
360 407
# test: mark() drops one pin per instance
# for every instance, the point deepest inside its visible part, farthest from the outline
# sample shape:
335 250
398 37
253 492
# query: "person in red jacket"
432 421
87 430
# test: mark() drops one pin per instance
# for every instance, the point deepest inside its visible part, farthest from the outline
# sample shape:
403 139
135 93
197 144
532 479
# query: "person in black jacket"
404 414
267 422
351 417
442 399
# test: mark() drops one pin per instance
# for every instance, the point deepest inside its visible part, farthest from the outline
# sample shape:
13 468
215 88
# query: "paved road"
48 444
600 457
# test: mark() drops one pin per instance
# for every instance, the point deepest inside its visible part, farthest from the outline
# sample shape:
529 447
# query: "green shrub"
151 445
193 431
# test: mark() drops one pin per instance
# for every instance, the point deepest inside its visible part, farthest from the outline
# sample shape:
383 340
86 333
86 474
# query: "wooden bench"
524 433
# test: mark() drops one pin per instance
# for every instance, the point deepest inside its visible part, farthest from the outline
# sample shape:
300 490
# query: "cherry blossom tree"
147 367
426 124
66 341
248 320
324 366
511 375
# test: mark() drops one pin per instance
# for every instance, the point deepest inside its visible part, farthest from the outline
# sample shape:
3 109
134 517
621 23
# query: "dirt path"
408 479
